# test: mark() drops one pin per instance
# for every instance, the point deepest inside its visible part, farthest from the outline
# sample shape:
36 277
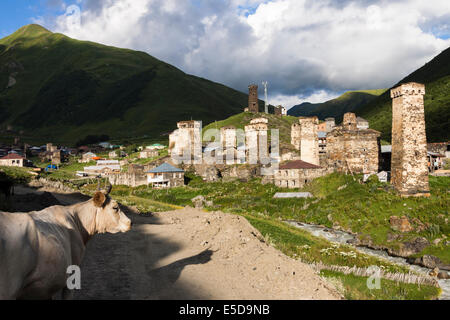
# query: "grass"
17 174
355 288
362 208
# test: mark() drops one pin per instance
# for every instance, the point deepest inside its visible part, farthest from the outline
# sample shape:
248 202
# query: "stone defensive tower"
256 140
253 105
185 143
409 169
305 138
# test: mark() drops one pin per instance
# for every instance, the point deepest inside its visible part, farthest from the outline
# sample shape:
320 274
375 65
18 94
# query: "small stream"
343 237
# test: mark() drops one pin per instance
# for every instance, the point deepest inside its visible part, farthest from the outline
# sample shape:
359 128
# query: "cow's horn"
108 189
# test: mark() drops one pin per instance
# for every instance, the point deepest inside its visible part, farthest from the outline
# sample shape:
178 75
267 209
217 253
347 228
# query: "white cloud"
302 47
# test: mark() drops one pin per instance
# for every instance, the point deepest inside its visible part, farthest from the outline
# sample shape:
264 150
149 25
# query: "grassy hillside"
348 102
436 77
275 122
59 89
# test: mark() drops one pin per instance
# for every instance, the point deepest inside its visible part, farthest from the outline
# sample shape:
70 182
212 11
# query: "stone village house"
165 176
12 160
297 173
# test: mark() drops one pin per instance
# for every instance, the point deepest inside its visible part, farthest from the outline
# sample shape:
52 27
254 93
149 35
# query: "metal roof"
298 164
386 149
165 167
281 195
322 134
12 156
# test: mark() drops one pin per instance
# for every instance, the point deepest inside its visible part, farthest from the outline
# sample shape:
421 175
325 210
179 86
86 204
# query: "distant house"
165 176
156 146
297 173
105 145
83 149
148 153
12 160
87 157
104 167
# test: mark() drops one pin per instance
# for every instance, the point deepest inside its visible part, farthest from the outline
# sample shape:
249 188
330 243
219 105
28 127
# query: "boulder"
430 262
400 224
409 248
200 202
434 272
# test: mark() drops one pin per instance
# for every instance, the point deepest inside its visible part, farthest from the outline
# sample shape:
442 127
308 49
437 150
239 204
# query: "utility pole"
266 104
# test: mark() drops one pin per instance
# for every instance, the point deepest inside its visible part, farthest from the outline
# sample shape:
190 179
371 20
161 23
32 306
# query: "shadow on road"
126 265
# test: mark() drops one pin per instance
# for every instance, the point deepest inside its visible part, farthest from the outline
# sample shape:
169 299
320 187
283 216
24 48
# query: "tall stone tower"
256 140
409 170
309 140
253 98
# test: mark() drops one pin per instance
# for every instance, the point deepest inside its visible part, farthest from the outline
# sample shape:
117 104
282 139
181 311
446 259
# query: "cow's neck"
85 215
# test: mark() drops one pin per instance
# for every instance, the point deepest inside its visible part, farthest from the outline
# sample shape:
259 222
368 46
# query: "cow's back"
18 252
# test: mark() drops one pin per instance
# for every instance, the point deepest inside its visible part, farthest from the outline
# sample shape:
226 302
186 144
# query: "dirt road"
191 254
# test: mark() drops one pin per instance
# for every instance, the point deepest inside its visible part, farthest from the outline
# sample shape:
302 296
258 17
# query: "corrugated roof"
386 149
12 156
298 164
165 167
322 134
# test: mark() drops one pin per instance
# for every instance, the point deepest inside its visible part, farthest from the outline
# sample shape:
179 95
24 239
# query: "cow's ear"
99 199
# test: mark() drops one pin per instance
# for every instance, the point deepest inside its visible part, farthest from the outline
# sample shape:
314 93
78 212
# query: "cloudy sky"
308 50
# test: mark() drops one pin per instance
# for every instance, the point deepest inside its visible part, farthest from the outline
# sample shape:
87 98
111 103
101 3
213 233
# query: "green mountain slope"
54 88
436 77
348 102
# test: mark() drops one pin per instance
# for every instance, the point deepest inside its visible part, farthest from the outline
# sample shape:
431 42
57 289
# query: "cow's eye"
116 208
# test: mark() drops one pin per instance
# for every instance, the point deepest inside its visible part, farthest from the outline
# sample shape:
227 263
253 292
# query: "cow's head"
109 217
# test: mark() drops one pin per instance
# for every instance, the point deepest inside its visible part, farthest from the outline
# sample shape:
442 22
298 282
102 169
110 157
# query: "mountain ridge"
349 101
79 88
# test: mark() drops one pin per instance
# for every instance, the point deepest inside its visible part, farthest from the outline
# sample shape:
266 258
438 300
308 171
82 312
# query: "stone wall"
409 170
128 179
297 178
352 150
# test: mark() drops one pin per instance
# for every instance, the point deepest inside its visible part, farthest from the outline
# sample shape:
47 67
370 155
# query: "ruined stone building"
135 177
327 125
185 143
51 148
362 123
256 141
295 174
253 104
353 150
147 154
304 137
409 170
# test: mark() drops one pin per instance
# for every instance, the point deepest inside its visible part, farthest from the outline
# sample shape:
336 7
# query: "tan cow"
36 248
